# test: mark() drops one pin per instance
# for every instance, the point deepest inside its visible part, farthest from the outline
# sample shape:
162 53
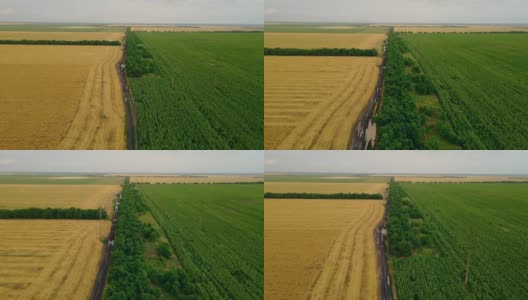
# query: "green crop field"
431 262
482 85
217 233
203 90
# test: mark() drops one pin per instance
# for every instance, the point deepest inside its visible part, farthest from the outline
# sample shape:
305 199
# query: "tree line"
139 61
320 52
129 276
61 42
53 213
405 236
398 122
322 196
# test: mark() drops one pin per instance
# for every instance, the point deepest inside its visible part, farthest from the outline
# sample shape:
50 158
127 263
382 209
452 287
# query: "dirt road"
382 253
364 134
130 107
98 288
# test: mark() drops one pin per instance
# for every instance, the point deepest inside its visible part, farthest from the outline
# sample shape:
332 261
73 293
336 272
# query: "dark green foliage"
322 196
481 82
217 233
149 233
127 279
52 213
176 283
164 250
138 59
206 91
423 85
320 52
398 122
493 216
404 236
62 43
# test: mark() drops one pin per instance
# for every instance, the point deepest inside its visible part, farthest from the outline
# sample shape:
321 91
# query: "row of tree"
139 61
404 236
322 196
52 213
320 52
398 122
61 42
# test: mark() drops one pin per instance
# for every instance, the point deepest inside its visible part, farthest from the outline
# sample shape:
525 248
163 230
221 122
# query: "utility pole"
466 278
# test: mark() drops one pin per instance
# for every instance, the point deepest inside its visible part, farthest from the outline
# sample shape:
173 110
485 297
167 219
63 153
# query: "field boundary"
129 102
382 253
358 136
100 281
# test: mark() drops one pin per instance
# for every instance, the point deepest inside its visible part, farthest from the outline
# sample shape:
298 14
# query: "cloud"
7 12
270 11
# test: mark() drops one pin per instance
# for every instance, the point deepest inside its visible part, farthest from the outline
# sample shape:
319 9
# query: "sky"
403 162
198 162
133 11
397 11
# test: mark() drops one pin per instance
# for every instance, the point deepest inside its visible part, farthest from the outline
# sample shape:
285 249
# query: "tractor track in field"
359 138
129 102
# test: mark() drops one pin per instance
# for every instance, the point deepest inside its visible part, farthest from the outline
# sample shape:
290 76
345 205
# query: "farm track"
383 253
359 139
129 103
98 288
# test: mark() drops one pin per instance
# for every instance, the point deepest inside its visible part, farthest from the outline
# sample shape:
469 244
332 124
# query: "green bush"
163 250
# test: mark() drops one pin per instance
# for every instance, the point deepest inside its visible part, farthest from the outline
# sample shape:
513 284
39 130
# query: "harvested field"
195 179
324 40
314 102
459 179
49 259
460 29
57 196
324 188
61 97
193 28
63 36
321 249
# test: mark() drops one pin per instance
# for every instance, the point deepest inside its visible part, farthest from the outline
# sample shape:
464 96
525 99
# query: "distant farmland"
324 40
482 86
216 231
203 91
442 219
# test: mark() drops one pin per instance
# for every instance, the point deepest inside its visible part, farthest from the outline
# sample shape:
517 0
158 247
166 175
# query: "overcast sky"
133 11
398 11
133 161
415 162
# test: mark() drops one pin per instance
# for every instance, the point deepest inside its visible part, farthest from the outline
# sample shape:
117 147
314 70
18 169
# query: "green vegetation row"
199 91
53 213
217 233
489 221
320 52
398 122
127 278
322 196
481 82
61 42
130 277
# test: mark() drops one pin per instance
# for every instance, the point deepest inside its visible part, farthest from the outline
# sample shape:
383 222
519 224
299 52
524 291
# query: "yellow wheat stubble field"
321 249
314 102
61 97
85 196
324 40
62 36
49 259
324 188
